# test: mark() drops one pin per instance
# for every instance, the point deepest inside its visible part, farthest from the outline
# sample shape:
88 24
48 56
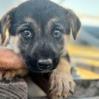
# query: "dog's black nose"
45 64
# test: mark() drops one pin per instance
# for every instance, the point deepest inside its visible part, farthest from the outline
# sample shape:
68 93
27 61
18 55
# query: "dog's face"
38 31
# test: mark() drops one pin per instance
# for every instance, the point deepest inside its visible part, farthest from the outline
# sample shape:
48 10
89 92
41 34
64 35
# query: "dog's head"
38 30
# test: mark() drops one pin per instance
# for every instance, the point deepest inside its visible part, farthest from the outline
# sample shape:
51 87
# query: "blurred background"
85 50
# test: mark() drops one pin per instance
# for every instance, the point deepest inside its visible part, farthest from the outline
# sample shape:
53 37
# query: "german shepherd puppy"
38 30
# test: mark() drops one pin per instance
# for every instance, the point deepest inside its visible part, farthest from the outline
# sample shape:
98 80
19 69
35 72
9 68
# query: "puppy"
38 30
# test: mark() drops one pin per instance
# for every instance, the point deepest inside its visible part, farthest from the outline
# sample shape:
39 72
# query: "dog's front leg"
61 81
11 74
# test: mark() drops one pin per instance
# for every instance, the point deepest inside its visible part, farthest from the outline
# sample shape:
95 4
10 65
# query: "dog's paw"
61 85
11 74
7 75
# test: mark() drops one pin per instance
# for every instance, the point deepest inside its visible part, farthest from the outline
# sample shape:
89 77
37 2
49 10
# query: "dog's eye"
27 34
57 33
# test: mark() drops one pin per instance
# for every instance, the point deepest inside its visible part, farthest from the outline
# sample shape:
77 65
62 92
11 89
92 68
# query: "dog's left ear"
5 24
74 22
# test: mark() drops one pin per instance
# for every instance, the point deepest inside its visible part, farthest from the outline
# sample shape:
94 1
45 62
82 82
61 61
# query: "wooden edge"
13 90
44 97
85 89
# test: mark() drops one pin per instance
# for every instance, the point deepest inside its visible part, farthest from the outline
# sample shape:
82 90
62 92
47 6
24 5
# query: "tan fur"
51 21
66 41
5 37
61 82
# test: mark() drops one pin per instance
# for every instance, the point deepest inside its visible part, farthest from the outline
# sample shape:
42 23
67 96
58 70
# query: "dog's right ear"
5 24
74 22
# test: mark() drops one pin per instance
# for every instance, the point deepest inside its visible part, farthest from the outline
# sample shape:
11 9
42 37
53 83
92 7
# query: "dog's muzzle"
45 64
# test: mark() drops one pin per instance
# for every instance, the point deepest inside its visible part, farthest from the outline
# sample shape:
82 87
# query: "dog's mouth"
41 65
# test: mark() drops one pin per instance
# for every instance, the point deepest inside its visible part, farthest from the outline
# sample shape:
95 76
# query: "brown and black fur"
39 31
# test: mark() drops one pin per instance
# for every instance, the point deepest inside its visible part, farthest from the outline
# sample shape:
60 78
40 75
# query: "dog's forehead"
39 10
